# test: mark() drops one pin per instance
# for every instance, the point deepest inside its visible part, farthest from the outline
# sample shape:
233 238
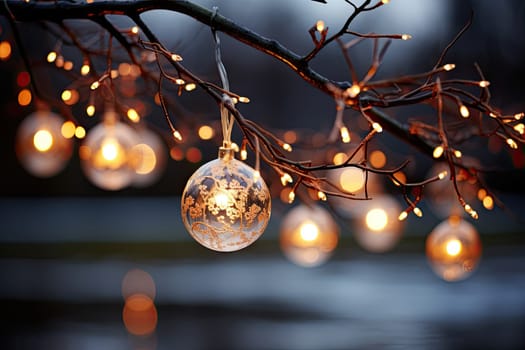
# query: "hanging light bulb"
148 157
308 235
106 154
224 206
453 249
379 228
40 146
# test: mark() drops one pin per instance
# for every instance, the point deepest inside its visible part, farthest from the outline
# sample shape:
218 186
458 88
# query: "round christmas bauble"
226 204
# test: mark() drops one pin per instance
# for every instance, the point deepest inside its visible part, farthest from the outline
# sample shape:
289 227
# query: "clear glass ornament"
453 249
40 146
308 235
106 156
226 204
378 229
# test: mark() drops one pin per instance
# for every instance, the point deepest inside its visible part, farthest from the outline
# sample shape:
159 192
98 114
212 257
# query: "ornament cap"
226 153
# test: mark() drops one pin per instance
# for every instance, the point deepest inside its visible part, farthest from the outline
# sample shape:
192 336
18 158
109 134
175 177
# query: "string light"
321 195
177 135
353 90
176 58
85 69
291 197
90 110
512 144
133 115
51 57
438 151
94 85
319 26
190 87
406 37
484 83
286 179
463 110
345 135
377 127
449 66
457 153
519 116
520 128
287 147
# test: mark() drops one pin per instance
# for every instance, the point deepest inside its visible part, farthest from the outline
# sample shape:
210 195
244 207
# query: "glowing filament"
43 140
321 195
453 247
438 151
463 110
309 231
345 135
291 197
376 219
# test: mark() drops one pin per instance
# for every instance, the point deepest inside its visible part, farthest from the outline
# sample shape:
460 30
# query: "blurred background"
86 268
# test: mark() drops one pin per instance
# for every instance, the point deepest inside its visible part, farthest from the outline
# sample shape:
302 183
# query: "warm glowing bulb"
51 57
353 90
309 231
377 127
402 216
177 135
418 212
110 149
512 144
463 110
291 197
90 110
287 147
134 30
519 116
206 132
319 26
449 66
520 128
286 178
488 202
176 58
376 219
68 129
406 37
94 85
345 135
43 140
133 115
453 247
442 175
321 195
484 83
457 153
85 69
190 87
438 151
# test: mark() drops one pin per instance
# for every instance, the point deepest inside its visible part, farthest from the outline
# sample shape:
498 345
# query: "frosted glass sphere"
308 235
40 146
378 228
225 205
107 160
453 249
149 158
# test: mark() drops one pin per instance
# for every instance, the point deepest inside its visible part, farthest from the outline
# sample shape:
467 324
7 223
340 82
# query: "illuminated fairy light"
291 197
438 151
418 212
402 216
176 58
519 116
90 110
319 26
512 144
43 140
470 211
66 95
68 129
384 2
133 115
80 132
177 135
353 90
463 110
190 87
180 81
345 135
94 85
68 65
442 175
488 202
244 154
453 247
457 154
287 147
51 57
377 127
85 69
406 37
134 30
484 83
520 128
286 179
321 195
244 99
449 66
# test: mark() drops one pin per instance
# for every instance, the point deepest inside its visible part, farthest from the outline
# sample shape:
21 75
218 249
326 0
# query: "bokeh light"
308 235
453 249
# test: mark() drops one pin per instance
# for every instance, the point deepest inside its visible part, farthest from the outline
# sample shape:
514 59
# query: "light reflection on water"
267 303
